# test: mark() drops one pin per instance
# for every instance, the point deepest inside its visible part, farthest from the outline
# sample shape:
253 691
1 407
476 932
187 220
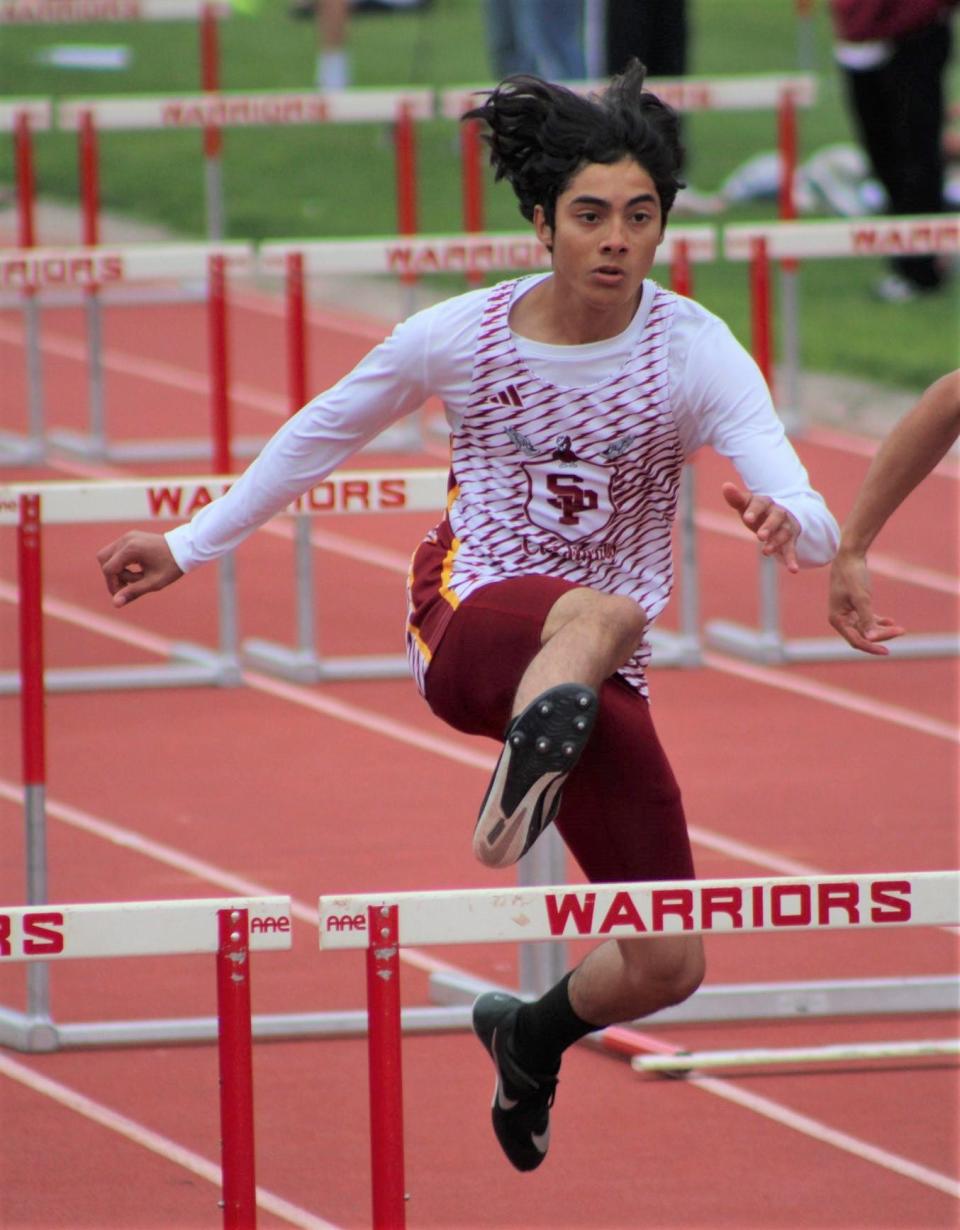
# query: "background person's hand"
851 606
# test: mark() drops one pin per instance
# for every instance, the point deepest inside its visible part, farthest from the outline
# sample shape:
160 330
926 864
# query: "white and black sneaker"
542 745
521 1100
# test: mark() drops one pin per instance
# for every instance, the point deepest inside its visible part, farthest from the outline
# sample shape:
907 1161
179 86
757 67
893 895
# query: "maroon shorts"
621 816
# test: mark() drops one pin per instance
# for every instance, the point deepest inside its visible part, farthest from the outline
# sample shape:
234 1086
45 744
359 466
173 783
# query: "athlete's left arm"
724 402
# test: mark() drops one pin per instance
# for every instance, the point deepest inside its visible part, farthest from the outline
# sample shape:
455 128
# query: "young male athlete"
573 399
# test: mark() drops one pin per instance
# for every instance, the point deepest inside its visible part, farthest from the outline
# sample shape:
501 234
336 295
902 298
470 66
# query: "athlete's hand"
776 529
851 606
137 563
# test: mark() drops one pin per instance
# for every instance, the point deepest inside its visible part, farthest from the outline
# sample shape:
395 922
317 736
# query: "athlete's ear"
544 232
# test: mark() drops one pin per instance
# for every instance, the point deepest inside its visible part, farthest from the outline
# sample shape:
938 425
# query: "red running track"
354 787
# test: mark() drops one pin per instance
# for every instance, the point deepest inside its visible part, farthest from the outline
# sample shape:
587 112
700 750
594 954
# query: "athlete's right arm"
137 563
424 355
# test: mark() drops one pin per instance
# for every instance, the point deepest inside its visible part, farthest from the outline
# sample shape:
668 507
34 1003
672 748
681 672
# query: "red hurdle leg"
762 310
386 1078
235 1042
89 160
406 172
219 378
472 184
296 333
681 280
26 185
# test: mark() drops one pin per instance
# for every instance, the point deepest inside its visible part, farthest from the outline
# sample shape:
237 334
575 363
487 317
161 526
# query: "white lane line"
168 1149
209 873
170 375
827 1135
841 698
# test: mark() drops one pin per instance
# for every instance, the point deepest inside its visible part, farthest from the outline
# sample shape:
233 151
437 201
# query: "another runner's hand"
851 606
137 563
776 529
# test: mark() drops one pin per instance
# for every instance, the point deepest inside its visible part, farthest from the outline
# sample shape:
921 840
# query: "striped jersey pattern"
576 483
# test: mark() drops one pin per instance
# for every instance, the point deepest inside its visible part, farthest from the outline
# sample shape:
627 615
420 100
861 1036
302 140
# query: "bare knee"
618 621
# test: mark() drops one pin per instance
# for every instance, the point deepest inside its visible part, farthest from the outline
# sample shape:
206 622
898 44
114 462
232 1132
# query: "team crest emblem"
567 496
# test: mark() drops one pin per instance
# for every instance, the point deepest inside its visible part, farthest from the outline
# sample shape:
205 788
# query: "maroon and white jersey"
576 483
564 458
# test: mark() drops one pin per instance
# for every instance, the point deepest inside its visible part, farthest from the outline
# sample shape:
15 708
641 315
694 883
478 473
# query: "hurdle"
30 507
216 110
231 929
789 241
471 256
22 117
381 924
37 271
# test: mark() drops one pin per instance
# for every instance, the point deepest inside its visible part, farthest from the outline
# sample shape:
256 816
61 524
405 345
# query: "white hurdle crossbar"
791 241
231 929
383 923
216 110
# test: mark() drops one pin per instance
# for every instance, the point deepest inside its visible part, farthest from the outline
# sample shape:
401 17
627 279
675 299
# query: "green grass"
339 181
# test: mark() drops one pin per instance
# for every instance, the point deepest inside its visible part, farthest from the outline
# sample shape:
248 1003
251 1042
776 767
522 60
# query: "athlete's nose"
615 239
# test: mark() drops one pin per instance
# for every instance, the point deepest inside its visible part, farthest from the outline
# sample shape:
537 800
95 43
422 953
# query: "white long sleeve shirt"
717 397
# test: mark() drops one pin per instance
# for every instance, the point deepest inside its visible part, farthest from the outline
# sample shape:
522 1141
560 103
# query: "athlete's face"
608 226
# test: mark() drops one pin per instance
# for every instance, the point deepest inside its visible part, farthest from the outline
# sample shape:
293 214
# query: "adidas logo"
508 396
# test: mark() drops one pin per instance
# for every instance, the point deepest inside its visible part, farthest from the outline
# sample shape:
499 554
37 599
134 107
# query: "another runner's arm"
725 403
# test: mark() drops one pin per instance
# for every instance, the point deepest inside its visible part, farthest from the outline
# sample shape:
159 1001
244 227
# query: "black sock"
546 1028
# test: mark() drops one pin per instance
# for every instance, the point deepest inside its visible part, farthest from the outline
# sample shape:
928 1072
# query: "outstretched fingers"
776 529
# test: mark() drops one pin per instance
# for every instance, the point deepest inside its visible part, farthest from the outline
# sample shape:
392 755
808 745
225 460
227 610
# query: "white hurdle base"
769 1000
772 649
188 666
304 666
29 1034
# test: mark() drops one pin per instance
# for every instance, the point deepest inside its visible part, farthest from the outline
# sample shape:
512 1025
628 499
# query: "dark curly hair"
541 134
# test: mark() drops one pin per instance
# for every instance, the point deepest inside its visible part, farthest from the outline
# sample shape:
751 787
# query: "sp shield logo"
567 496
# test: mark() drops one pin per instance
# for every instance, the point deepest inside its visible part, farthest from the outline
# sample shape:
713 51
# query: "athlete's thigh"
489 643
622 814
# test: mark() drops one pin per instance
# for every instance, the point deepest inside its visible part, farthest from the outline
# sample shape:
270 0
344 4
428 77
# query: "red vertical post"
761 307
210 73
89 179
209 49
681 280
26 185
386 1072
406 172
219 373
31 642
235 1046
471 183
296 333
